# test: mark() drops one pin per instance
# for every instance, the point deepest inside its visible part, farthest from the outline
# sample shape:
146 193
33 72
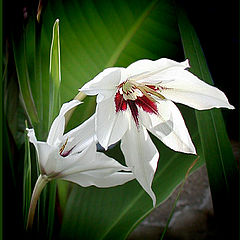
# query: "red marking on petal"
120 103
147 105
134 110
152 87
65 154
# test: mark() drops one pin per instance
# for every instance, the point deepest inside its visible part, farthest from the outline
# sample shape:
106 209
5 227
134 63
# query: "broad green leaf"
55 74
217 151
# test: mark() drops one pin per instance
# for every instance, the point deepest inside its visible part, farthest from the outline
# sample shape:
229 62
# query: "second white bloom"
138 98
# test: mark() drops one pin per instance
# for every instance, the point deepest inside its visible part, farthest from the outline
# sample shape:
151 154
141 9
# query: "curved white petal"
80 137
105 180
47 155
110 126
58 125
141 155
92 168
147 70
104 83
188 89
169 127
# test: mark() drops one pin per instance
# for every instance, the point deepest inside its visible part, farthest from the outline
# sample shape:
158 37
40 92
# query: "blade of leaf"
19 50
54 106
220 162
122 45
27 186
55 74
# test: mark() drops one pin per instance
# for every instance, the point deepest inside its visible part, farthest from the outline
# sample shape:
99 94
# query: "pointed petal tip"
193 151
31 135
186 63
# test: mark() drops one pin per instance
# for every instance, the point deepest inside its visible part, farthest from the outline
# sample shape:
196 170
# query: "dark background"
217 26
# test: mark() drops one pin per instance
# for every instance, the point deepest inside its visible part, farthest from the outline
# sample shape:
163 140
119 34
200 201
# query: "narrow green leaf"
54 106
55 73
27 188
19 50
217 151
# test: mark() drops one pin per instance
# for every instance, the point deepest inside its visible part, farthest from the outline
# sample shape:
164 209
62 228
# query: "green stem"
40 184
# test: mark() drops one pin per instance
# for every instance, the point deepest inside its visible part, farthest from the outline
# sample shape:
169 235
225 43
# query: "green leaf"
217 151
27 184
55 74
19 50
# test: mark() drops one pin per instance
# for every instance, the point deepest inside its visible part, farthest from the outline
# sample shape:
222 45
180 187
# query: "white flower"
138 98
73 156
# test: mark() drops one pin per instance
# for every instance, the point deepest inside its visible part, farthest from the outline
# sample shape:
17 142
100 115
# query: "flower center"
133 95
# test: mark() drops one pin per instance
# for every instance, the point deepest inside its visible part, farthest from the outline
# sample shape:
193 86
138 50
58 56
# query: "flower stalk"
40 184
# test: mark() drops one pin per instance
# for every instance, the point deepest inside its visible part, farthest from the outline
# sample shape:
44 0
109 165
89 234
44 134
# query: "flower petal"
46 154
58 125
80 137
105 180
188 89
169 127
104 84
146 70
110 126
92 168
141 155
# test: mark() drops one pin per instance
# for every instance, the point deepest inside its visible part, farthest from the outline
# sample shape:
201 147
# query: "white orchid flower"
73 157
138 98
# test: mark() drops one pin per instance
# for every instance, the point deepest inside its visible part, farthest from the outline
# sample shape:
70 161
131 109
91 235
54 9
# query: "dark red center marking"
143 102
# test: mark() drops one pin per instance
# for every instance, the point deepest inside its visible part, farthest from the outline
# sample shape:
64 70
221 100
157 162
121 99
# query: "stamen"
133 95
63 147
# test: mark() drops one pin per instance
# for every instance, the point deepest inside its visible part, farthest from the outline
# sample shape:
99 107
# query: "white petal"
141 155
187 89
46 154
58 125
104 83
92 168
106 180
80 137
110 126
147 69
169 127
